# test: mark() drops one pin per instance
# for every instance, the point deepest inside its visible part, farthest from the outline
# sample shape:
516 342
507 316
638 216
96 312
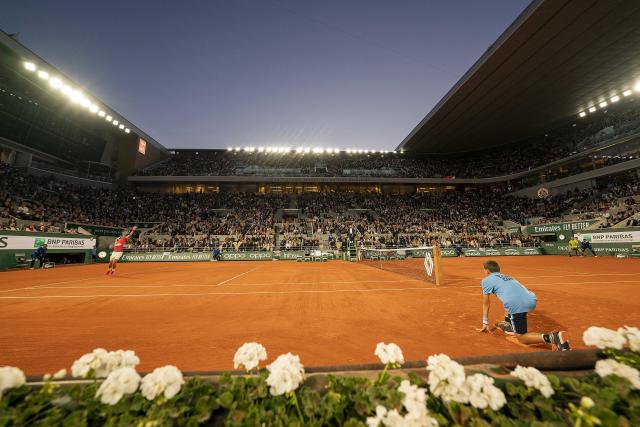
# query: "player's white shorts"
115 256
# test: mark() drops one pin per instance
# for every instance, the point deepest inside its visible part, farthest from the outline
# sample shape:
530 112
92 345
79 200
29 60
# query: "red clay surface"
195 315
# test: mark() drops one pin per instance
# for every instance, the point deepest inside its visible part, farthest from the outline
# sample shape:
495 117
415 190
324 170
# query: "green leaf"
226 399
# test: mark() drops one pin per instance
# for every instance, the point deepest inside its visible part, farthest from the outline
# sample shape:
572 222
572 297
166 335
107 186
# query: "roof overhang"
558 58
29 55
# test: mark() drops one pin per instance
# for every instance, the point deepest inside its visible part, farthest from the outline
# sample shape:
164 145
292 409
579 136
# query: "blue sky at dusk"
213 74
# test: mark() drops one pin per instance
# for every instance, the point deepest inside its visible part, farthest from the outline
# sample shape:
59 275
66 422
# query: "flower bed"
279 395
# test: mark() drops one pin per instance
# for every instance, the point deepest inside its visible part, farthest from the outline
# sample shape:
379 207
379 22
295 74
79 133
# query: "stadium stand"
592 138
248 221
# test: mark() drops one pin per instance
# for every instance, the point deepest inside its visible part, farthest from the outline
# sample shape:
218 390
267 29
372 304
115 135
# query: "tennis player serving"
118 250
517 301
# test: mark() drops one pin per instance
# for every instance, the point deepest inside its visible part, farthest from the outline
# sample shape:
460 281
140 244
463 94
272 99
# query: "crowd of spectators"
554 145
249 221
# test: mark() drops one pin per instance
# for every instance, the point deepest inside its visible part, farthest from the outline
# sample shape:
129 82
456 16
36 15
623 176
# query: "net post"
437 266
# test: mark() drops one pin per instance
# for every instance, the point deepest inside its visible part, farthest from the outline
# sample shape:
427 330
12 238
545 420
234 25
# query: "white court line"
234 284
321 291
50 285
313 283
220 293
235 277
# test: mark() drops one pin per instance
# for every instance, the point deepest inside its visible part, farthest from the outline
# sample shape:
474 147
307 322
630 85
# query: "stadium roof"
559 58
29 56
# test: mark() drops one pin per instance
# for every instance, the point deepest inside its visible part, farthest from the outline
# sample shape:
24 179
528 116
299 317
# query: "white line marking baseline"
317 291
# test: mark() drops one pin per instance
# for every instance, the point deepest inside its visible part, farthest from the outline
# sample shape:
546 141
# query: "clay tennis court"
195 315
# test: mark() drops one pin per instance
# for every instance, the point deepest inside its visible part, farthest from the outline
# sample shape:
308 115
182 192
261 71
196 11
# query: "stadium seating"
248 221
544 149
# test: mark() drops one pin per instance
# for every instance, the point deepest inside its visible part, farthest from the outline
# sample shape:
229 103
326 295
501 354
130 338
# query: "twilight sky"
213 74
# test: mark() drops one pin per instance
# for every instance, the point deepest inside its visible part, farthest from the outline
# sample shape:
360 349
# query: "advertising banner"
31 241
558 227
488 252
611 236
165 256
247 256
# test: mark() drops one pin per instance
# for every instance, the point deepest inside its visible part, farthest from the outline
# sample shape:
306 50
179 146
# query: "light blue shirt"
513 295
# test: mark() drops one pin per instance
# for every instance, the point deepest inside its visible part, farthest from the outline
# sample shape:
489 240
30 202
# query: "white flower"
534 378
11 377
90 362
447 379
387 418
121 359
100 363
389 353
419 418
587 402
167 380
249 355
381 413
632 335
60 374
483 394
415 402
285 374
119 382
612 367
414 396
603 338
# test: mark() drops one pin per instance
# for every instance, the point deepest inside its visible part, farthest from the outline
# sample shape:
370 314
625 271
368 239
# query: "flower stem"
382 374
294 399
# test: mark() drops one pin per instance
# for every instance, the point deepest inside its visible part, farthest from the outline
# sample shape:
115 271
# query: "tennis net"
422 263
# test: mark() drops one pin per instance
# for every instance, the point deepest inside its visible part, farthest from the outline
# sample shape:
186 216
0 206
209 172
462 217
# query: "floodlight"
260 149
582 114
126 130
85 102
30 66
592 109
637 87
101 113
43 75
269 149
76 96
299 150
93 108
65 89
121 126
615 98
626 92
55 83
237 149
108 118
229 149
307 150
603 104
348 150
115 122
